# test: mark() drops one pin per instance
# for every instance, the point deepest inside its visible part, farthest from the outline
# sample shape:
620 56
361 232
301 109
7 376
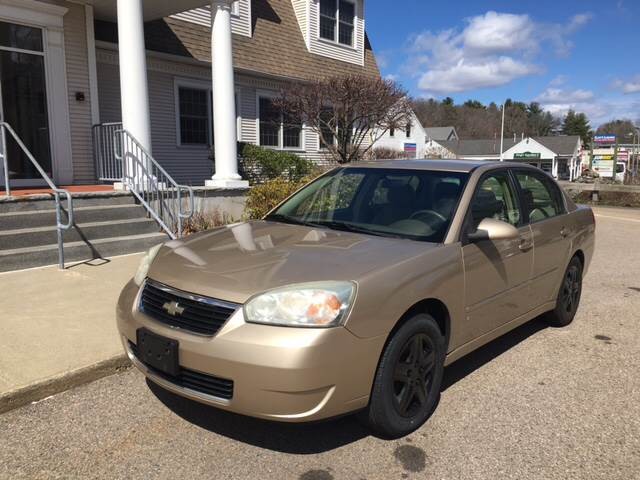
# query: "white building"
180 84
559 155
415 140
410 139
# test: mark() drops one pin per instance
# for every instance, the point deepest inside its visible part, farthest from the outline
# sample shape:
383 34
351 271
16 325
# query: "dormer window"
337 20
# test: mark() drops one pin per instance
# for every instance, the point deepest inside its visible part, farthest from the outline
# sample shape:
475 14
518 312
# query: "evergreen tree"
577 124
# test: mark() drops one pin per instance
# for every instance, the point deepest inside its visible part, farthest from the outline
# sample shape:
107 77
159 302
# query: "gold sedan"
355 292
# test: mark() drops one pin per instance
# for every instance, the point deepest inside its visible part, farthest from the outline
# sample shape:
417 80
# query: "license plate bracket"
158 352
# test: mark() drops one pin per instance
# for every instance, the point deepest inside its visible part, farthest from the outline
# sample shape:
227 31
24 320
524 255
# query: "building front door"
23 102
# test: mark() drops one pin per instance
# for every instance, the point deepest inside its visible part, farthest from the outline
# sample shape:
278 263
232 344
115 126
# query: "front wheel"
407 383
568 297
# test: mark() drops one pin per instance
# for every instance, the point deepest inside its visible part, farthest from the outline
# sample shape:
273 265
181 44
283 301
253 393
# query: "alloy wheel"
571 289
413 375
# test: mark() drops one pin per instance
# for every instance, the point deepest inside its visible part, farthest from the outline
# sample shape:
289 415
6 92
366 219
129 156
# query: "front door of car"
543 208
497 272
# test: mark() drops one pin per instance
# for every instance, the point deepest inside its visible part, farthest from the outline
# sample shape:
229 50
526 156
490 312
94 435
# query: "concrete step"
31 237
20 258
45 202
47 218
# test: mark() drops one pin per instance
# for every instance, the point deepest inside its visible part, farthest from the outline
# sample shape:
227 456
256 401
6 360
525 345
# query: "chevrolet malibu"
356 292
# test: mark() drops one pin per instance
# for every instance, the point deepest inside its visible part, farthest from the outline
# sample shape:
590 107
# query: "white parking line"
624 219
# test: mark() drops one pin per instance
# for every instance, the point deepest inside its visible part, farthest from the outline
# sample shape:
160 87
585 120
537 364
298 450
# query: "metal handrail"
5 127
150 183
108 169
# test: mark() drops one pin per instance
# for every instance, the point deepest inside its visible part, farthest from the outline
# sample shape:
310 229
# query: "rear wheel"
407 384
568 298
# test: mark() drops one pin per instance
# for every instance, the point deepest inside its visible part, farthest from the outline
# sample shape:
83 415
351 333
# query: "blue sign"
604 139
410 147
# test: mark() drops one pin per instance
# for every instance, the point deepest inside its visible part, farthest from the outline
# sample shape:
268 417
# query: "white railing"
156 190
108 167
60 227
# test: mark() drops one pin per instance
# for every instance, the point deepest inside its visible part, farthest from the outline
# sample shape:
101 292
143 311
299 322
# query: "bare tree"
349 113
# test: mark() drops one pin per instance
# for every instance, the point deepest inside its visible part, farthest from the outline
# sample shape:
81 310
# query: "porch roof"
152 9
276 47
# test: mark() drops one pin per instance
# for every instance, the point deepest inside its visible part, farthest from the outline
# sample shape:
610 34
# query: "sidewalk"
58 328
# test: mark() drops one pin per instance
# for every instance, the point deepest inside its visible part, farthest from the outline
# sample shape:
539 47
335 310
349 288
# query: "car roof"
451 165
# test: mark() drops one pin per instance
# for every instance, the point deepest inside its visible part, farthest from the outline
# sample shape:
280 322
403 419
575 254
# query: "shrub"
201 221
258 164
384 153
274 163
263 198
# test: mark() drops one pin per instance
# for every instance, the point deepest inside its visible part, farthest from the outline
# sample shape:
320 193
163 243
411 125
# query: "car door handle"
564 233
525 245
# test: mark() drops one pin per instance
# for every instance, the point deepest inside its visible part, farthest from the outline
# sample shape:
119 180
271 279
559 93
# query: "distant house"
559 155
172 74
410 138
441 133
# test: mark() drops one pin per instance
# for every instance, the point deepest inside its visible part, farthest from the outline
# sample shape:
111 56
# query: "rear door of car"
545 211
497 272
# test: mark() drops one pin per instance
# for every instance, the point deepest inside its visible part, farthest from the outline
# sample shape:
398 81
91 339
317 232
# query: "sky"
579 54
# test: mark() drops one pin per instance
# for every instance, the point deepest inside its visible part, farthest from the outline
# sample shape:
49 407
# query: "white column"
224 108
134 90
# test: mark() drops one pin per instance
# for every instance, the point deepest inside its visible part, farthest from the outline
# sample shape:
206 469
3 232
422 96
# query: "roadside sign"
526 155
411 148
603 164
604 139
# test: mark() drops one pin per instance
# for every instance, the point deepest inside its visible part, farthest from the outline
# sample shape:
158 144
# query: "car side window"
540 200
495 198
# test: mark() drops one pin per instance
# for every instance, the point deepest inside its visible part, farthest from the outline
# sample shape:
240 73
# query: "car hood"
237 261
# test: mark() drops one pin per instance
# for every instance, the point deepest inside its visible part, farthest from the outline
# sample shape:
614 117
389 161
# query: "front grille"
197 381
201 315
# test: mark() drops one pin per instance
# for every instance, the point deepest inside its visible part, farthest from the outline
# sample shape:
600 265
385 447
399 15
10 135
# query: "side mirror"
492 229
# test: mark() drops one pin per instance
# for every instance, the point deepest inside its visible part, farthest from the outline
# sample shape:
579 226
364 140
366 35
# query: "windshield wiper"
350 227
331 224
278 217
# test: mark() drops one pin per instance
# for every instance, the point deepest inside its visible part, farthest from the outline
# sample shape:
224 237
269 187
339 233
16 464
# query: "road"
538 403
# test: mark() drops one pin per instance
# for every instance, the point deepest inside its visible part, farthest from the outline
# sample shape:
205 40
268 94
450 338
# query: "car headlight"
145 263
318 304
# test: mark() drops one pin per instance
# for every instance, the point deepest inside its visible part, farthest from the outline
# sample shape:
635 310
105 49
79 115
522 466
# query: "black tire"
568 298
407 383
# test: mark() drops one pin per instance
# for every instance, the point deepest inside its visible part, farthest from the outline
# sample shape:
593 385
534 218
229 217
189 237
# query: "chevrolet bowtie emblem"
173 308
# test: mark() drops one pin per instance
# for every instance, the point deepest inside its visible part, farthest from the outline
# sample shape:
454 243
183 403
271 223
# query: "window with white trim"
277 129
337 21
194 110
195 116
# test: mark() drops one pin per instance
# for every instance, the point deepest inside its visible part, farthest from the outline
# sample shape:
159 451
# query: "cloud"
557 95
627 86
470 76
493 49
558 81
599 110
498 33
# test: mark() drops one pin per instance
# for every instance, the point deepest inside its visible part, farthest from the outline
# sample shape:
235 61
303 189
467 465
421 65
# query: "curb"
60 383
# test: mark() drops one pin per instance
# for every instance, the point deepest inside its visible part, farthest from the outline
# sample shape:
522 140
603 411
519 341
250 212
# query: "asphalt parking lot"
537 403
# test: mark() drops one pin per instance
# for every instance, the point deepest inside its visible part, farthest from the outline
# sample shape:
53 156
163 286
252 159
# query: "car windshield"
414 204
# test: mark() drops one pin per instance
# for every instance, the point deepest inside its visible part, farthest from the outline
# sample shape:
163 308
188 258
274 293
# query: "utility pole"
502 135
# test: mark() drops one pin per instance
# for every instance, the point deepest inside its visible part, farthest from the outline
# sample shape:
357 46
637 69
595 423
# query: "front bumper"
279 373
